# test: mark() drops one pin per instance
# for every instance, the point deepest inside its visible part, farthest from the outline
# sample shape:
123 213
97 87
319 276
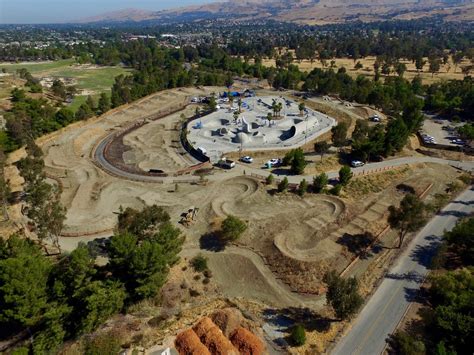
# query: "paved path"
387 306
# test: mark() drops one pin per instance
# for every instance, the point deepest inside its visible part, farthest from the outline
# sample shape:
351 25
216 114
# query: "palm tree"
269 118
274 107
279 108
239 102
301 107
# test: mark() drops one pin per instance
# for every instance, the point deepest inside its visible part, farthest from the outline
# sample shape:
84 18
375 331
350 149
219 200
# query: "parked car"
275 161
225 163
375 118
247 159
357 163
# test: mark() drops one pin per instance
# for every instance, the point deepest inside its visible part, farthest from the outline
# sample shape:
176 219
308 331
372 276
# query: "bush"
336 190
232 228
283 185
270 179
404 344
199 263
302 188
106 343
298 335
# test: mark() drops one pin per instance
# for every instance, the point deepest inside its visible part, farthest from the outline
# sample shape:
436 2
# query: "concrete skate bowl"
307 239
227 193
285 135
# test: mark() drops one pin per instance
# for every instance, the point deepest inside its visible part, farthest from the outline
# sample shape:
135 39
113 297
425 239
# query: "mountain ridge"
299 11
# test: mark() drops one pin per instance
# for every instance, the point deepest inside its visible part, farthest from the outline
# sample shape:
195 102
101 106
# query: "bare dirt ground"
290 241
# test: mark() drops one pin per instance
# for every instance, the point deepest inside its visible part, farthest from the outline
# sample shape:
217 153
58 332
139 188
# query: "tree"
342 295
96 302
212 103
321 148
301 107
302 188
141 267
296 159
461 239
84 112
401 68
345 174
298 163
104 103
143 224
232 228
320 182
358 66
298 335
24 275
404 344
361 130
64 116
435 65
408 217
339 134
59 89
457 59
283 185
396 136
419 63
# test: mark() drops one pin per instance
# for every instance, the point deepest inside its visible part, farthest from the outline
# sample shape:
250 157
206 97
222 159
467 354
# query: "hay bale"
188 343
227 319
246 342
213 338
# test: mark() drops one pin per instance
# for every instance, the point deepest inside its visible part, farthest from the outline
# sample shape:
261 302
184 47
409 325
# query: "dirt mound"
188 343
246 342
213 338
227 319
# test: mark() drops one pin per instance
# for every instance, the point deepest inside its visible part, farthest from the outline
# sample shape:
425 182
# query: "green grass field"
94 80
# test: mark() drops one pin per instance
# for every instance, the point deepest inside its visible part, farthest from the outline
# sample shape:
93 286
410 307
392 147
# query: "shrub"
199 263
302 188
298 335
283 185
336 190
232 228
105 343
270 179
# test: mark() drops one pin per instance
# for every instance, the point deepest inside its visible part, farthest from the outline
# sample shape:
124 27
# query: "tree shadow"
212 242
406 188
467 203
409 276
423 254
358 244
412 294
458 214
289 316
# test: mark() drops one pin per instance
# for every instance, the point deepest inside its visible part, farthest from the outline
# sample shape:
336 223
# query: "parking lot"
443 132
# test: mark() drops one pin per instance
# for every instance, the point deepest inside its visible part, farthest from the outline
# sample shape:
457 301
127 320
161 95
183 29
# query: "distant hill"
300 11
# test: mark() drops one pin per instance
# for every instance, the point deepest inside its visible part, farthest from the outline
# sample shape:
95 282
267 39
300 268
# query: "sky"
60 11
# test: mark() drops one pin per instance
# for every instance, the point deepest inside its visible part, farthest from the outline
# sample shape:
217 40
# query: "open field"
447 72
88 79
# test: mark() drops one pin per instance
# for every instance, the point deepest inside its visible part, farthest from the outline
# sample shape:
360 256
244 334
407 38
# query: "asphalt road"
380 316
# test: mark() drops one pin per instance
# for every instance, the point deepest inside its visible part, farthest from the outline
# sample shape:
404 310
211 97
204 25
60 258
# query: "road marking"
377 319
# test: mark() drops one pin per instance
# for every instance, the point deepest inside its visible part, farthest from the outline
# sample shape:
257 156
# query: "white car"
357 163
246 159
275 161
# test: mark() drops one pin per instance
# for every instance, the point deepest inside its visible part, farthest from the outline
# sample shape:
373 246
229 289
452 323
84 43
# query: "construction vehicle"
188 217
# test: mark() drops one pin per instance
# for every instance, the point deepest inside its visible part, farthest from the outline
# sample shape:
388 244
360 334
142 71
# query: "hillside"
301 11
